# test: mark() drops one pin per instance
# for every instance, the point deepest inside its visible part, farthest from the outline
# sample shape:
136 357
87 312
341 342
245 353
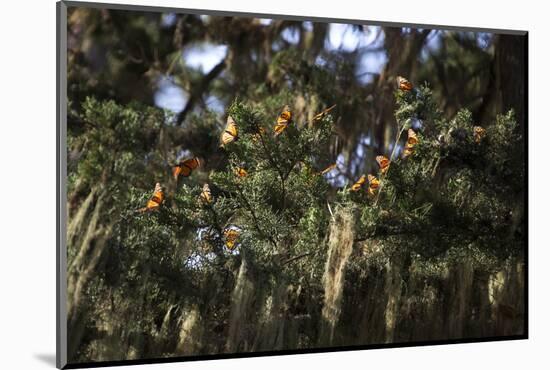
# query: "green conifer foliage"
453 200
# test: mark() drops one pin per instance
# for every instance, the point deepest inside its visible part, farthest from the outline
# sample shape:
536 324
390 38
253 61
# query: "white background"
27 186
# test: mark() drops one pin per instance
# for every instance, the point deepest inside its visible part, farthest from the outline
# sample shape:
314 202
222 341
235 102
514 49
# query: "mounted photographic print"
234 185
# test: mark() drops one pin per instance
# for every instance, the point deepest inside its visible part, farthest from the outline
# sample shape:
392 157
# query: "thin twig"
173 63
255 218
269 157
291 259
279 170
330 210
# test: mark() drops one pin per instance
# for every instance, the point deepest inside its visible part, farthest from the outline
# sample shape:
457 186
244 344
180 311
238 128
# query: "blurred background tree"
147 89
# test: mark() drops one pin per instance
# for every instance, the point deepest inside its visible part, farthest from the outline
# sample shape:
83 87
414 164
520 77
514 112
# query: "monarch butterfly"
206 195
404 84
320 116
185 167
230 132
359 184
283 120
412 140
328 169
374 183
383 162
479 133
155 201
241 172
231 235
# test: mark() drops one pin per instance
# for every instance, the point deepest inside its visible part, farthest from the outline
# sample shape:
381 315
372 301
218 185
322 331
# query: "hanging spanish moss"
241 311
340 246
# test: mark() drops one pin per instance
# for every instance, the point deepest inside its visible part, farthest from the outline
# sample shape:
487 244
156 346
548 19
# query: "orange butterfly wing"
176 170
206 195
374 184
231 131
283 120
192 163
319 116
479 133
231 236
404 84
241 172
184 168
185 171
412 140
359 184
152 204
156 200
383 162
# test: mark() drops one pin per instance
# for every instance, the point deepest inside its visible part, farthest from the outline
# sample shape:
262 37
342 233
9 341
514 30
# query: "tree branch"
255 218
292 259
198 91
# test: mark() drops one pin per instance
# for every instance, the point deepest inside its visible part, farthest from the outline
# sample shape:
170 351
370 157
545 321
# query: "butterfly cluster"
369 183
230 134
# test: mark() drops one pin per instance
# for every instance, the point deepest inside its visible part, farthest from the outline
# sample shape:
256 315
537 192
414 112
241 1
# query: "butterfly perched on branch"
155 201
383 162
374 184
479 133
412 140
241 172
231 234
404 84
206 194
186 167
283 120
230 132
359 183
319 116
